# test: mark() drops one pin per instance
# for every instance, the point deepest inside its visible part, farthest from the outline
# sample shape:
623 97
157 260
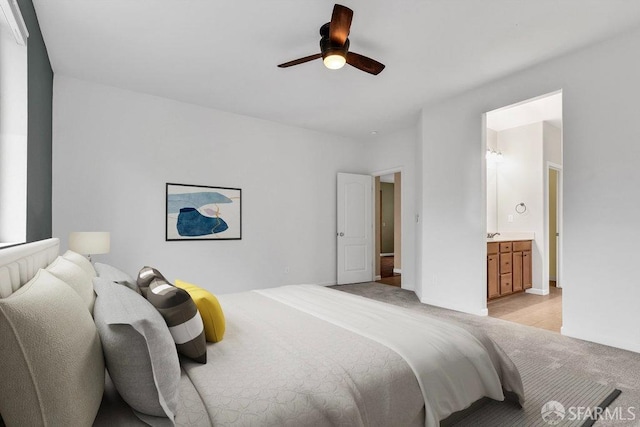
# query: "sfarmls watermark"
554 413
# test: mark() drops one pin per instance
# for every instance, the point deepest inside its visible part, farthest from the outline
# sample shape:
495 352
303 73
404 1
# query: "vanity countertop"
512 236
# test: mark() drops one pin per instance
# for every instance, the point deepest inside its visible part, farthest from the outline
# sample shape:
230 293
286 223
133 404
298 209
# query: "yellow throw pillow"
209 308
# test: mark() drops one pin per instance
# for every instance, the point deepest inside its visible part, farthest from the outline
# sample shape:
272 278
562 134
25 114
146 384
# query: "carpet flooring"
549 351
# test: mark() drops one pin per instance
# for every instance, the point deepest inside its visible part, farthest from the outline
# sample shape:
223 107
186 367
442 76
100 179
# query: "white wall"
601 155
552 137
397 152
114 150
13 137
521 180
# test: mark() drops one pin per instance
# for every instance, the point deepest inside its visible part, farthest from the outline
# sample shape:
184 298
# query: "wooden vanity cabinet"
508 267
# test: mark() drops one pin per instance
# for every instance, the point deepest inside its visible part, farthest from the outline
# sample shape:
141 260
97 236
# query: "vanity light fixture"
494 156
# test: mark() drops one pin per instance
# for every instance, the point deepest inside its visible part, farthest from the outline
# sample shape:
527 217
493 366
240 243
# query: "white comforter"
452 366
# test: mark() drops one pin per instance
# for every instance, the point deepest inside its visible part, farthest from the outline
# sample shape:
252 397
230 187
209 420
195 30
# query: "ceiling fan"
334 45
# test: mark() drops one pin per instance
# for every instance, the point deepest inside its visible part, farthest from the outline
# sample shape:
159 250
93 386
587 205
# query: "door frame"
559 220
398 169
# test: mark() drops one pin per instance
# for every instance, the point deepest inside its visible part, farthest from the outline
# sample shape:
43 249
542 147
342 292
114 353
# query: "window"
13 124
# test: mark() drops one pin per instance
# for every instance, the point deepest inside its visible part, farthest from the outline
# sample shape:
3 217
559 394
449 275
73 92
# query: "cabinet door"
526 269
493 277
517 271
506 285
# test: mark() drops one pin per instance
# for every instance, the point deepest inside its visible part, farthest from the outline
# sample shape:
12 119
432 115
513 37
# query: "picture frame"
201 212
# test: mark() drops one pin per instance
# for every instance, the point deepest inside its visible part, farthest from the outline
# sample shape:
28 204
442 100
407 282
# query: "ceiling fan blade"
363 63
300 60
340 24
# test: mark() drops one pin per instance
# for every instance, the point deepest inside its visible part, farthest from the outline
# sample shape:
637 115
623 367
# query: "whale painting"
198 212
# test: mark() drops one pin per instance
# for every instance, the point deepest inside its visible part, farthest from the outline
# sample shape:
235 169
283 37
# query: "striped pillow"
145 277
179 311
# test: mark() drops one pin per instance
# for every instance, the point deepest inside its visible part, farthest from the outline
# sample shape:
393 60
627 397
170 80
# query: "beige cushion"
76 277
81 261
51 363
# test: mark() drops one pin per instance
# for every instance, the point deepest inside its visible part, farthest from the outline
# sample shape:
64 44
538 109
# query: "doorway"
554 174
388 228
523 144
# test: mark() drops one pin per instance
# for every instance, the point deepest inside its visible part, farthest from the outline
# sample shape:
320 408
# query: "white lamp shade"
90 242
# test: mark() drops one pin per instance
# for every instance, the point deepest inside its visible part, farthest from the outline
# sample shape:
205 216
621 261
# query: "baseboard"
455 307
535 291
601 339
552 278
387 254
397 270
322 284
378 277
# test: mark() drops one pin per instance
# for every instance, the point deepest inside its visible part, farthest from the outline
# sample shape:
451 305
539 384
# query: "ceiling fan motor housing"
327 47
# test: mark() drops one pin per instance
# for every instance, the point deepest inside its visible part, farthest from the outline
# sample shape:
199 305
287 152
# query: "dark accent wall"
39 158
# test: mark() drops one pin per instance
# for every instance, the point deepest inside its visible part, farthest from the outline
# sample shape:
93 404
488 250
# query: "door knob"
340 234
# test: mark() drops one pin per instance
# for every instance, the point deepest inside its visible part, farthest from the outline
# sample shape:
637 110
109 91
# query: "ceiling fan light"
334 61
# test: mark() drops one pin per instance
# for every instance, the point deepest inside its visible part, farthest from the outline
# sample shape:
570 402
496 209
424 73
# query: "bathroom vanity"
508 267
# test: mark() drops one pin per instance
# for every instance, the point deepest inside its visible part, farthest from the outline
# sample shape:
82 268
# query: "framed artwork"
200 212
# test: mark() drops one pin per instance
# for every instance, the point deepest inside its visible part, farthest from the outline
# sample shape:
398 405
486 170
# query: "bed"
294 355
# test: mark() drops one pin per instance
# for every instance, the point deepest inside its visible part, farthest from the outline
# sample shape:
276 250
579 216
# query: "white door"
355 228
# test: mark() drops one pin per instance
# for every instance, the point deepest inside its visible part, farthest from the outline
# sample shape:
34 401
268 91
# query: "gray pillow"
139 351
115 275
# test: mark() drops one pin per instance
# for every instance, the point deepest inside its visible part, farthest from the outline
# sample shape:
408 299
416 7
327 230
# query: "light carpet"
546 354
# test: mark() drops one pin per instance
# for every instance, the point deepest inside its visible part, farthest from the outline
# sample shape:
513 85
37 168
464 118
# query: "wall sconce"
90 242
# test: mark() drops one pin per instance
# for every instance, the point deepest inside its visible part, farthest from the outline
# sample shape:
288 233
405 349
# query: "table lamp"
90 242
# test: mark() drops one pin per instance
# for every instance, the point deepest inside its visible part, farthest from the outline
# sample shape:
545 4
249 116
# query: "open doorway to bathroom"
388 228
524 166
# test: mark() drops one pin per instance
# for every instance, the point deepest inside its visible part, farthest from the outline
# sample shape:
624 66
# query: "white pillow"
76 277
51 362
81 261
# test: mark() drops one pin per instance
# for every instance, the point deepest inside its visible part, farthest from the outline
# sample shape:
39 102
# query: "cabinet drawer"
505 263
506 284
492 248
505 246
524 245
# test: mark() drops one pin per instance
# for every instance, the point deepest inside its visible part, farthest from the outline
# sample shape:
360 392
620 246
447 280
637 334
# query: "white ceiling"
223 54
543 109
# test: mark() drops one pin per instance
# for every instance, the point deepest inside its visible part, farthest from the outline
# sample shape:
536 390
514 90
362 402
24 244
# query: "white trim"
13 16
397 270
559 223
320 284
378 277
403 207
387 254
601 339
535 291
455 307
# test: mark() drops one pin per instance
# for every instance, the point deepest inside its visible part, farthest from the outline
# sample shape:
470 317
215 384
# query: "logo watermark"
553 413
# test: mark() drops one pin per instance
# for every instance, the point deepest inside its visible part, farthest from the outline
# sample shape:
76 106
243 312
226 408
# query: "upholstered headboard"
18 264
